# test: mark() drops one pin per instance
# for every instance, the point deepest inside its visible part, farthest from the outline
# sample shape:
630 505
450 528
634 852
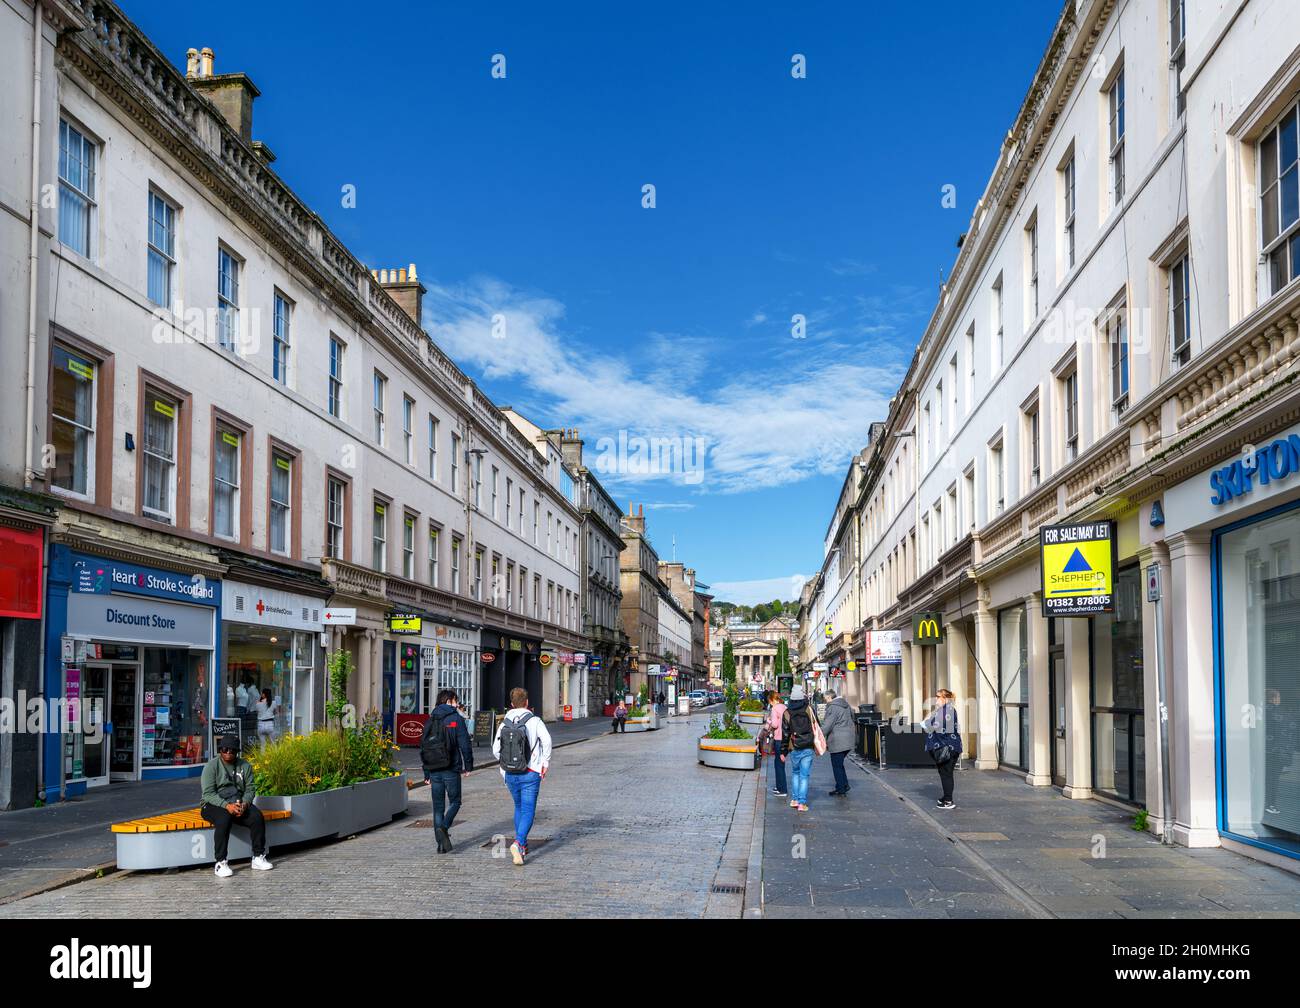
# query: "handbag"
819 739
942 754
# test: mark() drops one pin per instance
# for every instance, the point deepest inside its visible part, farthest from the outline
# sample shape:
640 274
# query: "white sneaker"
261 864
223 869
516 853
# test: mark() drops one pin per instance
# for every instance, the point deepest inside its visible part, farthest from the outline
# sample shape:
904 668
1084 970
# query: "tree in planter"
339 668
729 727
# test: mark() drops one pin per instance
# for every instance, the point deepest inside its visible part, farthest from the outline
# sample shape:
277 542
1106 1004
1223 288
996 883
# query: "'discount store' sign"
1274 461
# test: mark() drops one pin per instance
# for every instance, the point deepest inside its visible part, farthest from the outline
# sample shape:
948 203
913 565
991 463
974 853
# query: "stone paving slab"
1049 853
619 842
68 841
866 856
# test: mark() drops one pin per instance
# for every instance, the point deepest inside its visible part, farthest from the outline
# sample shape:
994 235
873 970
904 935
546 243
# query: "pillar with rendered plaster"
908 673
1152 671
986 681
1040 709
958 655
1191 715
360 692
1078 728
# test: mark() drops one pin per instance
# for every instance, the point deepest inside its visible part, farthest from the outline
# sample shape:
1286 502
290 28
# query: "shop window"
268 681
1013 687
173 722
72 396
1118 728
1259 681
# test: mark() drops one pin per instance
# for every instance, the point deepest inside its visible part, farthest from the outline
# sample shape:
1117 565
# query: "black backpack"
515 747
435 747
801 729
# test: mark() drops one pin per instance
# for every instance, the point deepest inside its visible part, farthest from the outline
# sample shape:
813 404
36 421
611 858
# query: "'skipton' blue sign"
1274 461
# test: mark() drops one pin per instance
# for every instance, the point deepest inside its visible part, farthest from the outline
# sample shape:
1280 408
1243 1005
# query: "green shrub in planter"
303 764
751 706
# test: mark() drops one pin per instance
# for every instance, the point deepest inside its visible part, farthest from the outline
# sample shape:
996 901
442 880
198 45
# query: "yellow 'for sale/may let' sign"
1078 564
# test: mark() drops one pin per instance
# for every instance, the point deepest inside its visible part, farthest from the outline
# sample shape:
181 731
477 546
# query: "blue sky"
521 197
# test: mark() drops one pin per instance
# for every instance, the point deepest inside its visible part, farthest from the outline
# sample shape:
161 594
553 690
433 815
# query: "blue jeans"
778 767
523 789
800 770
444 789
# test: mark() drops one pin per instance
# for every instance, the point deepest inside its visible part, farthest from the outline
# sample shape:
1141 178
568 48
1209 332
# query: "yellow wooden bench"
188 820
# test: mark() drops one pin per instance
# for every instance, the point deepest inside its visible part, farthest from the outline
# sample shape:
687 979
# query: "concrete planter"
636 724
729 754
752 717
340 811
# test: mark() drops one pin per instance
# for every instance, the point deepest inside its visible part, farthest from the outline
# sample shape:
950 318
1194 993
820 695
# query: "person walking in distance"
447 755
522 747
943 743
228 792
800 740
775 716
840 730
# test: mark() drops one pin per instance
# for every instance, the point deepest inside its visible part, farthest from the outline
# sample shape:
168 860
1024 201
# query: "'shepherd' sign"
1078 563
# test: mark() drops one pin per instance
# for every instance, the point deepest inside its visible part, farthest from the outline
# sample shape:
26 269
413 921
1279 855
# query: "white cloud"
670 506
777 420
763 590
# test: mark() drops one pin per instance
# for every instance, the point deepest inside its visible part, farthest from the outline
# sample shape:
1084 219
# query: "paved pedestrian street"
627 826
633 826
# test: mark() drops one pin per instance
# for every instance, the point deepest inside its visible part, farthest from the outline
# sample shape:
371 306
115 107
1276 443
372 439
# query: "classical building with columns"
1116 343
239 449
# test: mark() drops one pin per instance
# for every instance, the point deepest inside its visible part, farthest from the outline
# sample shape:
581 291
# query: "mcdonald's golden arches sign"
927 628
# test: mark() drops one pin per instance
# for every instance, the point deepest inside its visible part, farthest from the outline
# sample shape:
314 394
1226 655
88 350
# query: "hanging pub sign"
927 628
1078 564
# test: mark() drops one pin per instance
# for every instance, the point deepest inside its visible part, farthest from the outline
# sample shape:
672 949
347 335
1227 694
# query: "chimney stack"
405 288
635 521
571 446
231 93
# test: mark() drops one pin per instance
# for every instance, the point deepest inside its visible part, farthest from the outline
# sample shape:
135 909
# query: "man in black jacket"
444 781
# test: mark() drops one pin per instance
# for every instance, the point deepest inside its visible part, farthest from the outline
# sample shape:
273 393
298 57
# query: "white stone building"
241 428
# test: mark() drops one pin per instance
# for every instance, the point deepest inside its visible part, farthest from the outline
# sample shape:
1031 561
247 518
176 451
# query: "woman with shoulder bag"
801 734
943 742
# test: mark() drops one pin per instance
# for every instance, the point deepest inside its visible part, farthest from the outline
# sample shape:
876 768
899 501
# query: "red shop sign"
489 657
20 574
410 728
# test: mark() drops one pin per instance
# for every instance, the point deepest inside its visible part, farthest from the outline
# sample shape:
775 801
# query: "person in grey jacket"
839 729
228 792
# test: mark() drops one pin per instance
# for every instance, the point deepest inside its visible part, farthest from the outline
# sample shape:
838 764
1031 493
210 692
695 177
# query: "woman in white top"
266 711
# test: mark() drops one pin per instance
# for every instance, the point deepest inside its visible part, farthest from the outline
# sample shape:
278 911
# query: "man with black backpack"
447 754
523 748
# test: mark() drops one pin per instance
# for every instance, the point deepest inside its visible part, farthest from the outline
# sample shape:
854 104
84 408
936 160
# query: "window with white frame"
281 319
455 463
434 533
161 250
1115 112
537 596
1178 51
510 586
225 484
379 537
72 412
281 515
77 156
455 565
494 585
970 369
536 512
510 494
952 396
478 574
938 419
1180 307
968 494
408 547
954 520
408 432
1031 268
1117 337
1279 201
997 340
1070 399
334 398
478 481
997 478
433 446
521 512
379 390
159 450
496 476
523 589
1068 206
335 514
1033 444
227 300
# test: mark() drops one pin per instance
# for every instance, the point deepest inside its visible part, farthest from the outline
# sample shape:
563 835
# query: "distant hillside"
760 613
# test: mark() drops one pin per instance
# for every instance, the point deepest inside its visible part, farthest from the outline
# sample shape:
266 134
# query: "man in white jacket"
526 757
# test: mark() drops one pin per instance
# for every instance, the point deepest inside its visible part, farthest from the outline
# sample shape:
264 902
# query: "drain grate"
726 889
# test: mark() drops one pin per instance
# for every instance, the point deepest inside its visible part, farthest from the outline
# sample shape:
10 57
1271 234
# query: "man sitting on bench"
228 794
